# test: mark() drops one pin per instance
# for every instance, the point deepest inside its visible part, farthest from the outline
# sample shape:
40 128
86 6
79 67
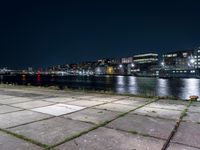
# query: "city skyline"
46 33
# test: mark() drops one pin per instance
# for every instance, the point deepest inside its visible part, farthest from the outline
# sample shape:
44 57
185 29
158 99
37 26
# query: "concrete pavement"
35 119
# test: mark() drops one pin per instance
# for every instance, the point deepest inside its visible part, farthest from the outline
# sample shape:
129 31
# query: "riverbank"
176 88
91 91
43 118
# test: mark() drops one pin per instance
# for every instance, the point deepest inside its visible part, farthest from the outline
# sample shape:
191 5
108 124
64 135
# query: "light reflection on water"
190 87
162 87
133 87
120 84
181 88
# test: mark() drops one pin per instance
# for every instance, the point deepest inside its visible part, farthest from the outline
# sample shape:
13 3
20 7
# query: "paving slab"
7 109
197 104
109 139
86 97
32 104
167 106
194 109
116 107
85 103
192 117
20 117
174 146
157 112
104 99
59 99
53 130
131 102
8 142
15 100
188 134
140 99
6 97
93 115
117 97
160 128
170 101
24 94
58 109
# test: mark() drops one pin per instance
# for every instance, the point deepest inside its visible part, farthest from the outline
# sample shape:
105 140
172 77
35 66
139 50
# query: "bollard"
193 98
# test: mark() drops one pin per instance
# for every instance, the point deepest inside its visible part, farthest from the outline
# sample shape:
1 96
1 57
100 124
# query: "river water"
180 88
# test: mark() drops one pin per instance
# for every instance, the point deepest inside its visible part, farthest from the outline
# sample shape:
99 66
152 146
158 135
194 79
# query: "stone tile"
6 97
178 102
86 97
131 102
58 109
192 117
167 106
19 118
173 146
156 112
140 99
8 142
109 139
14 100
93 115
155 127
116 107
117 97
197 104
85 103
59 99
103 99
53 130
32 104
7 109
188 134
194 109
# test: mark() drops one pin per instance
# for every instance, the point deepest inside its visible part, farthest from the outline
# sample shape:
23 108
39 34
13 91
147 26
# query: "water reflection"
190 87
132 85
162 87
180 88
120 84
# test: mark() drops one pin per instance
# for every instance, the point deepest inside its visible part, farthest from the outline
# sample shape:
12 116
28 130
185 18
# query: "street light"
192 60
132 65
120 66
163 64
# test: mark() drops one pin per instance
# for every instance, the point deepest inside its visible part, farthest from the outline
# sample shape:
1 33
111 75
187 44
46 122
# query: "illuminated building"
180 64
110 70
179 59
127 60
144 62
197 58
149 58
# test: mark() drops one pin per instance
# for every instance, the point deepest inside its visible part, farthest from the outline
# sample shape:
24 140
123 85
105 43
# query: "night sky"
42 33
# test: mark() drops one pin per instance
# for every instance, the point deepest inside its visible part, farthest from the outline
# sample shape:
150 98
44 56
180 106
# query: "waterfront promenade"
33 118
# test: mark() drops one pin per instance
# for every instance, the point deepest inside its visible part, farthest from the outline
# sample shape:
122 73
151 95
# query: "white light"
120 66
132 65
162 63
192 61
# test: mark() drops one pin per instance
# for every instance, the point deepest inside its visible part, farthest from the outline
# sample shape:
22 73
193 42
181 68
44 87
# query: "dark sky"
41 33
